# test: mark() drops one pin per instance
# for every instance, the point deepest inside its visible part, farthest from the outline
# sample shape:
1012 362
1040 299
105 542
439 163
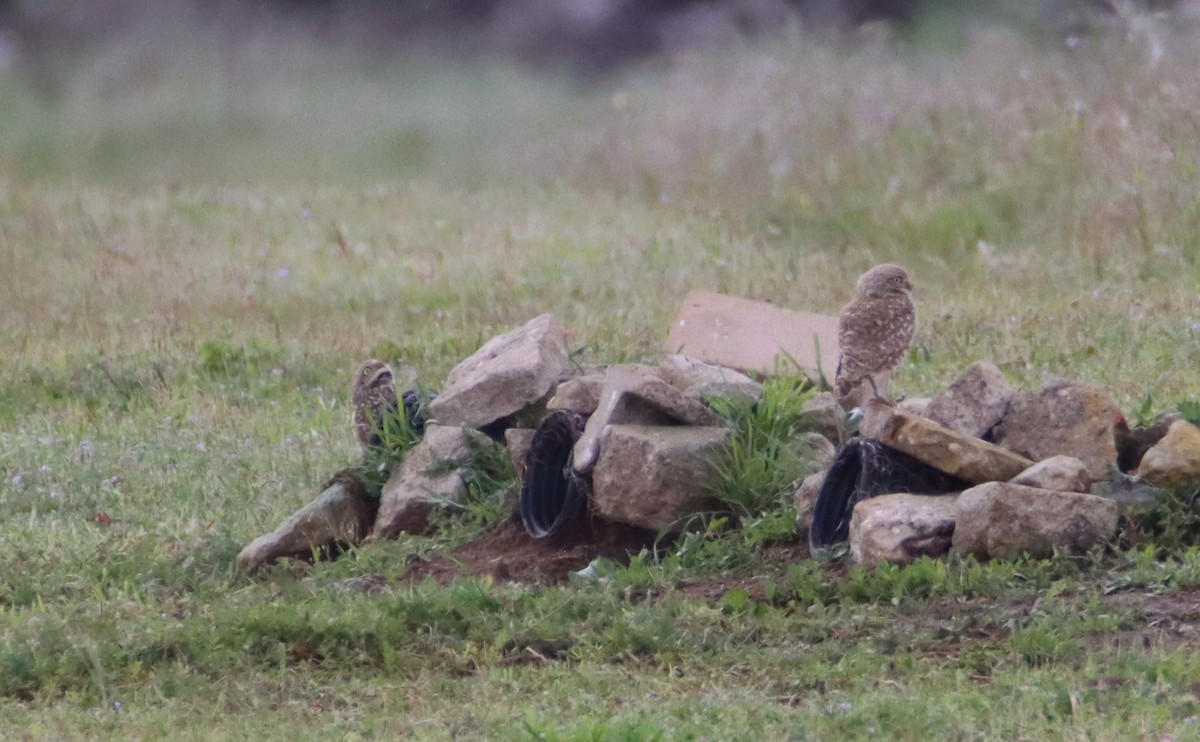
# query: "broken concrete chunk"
654 477
509 373
707 381
425 479
1000 519
342 514
1063 417
634 395
753 335
963 456
824 415
974 402
901 528
1174 462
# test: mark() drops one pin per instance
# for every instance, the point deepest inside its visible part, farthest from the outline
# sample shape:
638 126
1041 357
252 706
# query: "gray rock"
342 514
901 528
1174 462
581 394
509 373
634 395
963 456
1063 473
654 477
1001 519
707 381
824 415
974 402
1064 417
918 406
518 441
805 499
426 479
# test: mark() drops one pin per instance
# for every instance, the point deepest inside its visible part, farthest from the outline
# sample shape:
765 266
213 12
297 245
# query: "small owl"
374 394
874 329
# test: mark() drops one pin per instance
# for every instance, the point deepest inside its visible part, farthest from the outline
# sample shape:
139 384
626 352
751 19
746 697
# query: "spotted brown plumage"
875 328
374 394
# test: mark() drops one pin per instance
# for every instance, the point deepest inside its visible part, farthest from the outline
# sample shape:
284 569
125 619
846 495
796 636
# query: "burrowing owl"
374 394
874 329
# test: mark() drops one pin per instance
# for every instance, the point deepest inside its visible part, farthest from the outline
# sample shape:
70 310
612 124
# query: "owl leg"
877 395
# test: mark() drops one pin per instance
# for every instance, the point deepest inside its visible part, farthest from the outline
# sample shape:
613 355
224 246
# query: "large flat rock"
509 373
1001 519
753 335
654 477
963 456
974 402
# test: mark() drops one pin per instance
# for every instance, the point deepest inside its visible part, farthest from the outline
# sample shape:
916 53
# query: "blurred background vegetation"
263 89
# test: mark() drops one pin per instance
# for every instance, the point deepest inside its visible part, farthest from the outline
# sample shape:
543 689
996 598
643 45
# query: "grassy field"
195 255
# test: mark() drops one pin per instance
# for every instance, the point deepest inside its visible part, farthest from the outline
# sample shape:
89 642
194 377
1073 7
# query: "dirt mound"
508 554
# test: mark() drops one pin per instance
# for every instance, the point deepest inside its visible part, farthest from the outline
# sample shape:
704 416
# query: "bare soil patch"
508 554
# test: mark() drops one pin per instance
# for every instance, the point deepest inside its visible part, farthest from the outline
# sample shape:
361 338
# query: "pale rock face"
901 528
974 402
637 396
960 455
826 416
1174 462
1063 417
342 514
1062 473
422 481
1001 519
654 477
509 373
706 380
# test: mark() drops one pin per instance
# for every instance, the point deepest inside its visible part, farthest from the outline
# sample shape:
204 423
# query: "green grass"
187 288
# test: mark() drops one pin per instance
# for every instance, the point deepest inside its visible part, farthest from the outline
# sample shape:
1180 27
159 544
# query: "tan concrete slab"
752 335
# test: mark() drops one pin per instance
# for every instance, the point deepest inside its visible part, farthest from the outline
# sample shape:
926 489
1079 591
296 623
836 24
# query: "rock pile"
980 469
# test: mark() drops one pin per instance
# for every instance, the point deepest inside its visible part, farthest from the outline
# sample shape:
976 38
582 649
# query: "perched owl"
374 394
874 329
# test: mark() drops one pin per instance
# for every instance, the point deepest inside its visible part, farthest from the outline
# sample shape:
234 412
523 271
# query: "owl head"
883 280
372 375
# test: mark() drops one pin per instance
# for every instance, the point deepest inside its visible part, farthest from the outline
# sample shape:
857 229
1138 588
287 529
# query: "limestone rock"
654 477
918 406
825 416
1063 473
342 514
1133 444
805 499
1001 519
974 402
901 528
1063 417
506 375
581 394
425 479
636 396
706 380
963 456
1174 462
517 442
